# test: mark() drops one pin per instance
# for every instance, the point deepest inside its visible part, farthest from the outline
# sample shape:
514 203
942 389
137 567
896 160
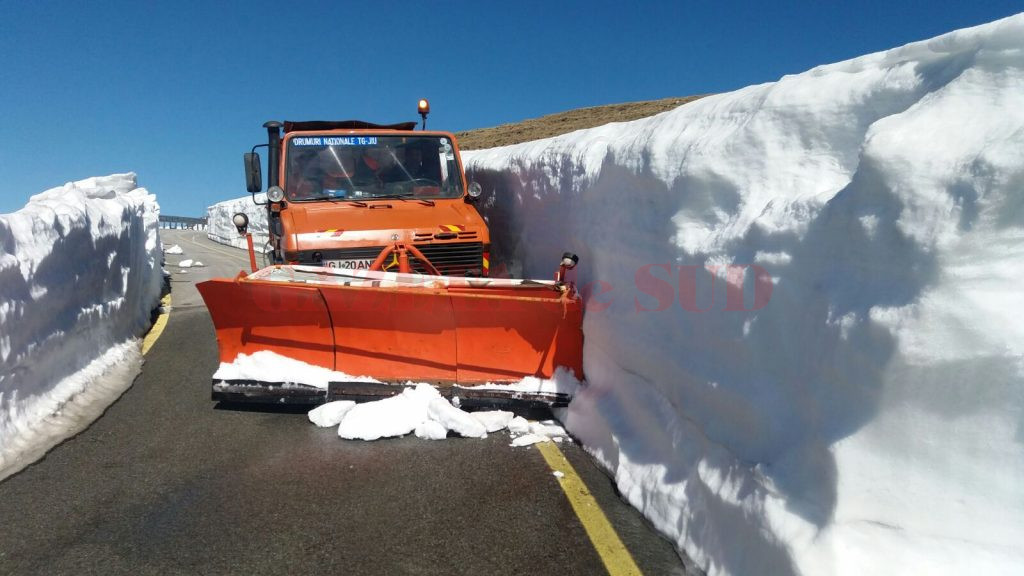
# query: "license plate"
359 264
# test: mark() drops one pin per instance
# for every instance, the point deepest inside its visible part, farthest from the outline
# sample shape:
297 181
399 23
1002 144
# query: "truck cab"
339 193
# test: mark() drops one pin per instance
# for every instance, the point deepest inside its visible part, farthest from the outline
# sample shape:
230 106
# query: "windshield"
365 167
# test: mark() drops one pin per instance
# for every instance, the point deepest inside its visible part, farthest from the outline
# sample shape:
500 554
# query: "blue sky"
177 91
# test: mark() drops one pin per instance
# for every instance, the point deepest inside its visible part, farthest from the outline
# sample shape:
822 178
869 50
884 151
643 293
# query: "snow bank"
79 274
802 342
221 229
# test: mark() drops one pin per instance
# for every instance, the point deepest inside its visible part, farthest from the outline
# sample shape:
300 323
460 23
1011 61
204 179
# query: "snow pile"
269 366
563 381
421 410
418 409
220 227
494 420
801 343
79 274
525 433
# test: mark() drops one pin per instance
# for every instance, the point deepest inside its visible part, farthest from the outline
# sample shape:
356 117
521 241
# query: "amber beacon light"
423 107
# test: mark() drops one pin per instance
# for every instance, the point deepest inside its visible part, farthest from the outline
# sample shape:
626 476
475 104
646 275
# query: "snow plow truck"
379 270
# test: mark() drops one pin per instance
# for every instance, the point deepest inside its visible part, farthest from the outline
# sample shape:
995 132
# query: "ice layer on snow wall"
857 406
80 271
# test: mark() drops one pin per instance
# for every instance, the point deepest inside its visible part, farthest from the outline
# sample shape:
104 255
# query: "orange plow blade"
396 328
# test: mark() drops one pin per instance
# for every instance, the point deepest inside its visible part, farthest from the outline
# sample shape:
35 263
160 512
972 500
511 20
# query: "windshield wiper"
403 198
359 203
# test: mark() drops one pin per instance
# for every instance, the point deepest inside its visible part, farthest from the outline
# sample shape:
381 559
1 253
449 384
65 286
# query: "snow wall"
80 272
804 344
221 229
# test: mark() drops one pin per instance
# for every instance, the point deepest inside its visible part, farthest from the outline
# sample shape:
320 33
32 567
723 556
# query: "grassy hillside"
565 122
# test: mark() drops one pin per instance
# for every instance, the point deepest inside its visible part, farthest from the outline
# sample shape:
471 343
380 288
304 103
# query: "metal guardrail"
182 222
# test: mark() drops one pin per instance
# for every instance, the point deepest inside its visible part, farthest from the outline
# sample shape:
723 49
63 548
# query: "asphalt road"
167 482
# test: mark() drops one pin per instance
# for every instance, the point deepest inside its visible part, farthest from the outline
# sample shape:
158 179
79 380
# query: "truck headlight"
241 222
275 194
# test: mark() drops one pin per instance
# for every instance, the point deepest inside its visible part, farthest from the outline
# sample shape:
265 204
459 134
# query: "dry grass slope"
565 122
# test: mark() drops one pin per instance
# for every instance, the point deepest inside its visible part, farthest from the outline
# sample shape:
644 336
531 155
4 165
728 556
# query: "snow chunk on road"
519 425
174 250
534 432
493 420
431 430
395 416
418 409
190 263
529 440
330 414
421 410
454 419
548 428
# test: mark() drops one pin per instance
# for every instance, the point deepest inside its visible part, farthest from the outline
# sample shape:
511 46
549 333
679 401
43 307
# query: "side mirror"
253 173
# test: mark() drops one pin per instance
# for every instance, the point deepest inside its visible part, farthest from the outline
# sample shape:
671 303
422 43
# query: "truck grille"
454 259
451 259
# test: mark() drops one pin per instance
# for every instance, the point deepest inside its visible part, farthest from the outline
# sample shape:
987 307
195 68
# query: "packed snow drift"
220 227
80 272
803 343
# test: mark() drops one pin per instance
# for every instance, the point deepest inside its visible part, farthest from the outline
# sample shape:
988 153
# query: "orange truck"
340 192
380 269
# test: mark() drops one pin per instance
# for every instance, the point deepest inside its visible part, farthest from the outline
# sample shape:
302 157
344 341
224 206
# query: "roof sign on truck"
335 141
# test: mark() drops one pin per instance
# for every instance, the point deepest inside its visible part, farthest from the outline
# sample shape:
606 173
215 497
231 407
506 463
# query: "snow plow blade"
458 334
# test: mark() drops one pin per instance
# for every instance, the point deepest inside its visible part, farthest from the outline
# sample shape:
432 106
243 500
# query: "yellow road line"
158 326
617 559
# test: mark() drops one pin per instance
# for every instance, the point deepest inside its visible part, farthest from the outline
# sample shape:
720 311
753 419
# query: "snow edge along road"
158 326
